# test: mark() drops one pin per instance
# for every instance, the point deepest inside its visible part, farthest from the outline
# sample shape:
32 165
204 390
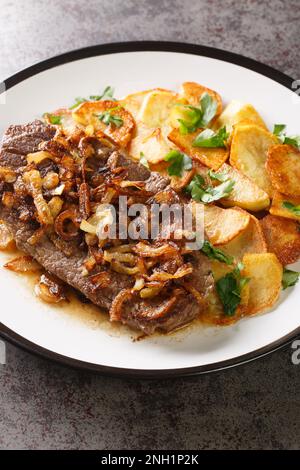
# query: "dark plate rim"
112 48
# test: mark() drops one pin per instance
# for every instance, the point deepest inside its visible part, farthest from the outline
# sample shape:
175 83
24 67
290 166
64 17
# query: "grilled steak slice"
146 315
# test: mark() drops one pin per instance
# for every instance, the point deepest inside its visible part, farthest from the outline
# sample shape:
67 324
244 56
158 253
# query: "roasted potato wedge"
250 240
156 107
265 273
249 149
210 157
192 92
87 115
223 225
151 142
245 194
237 112
278 208
283 167
283 238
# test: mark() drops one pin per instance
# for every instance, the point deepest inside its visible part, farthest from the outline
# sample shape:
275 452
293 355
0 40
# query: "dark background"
46 406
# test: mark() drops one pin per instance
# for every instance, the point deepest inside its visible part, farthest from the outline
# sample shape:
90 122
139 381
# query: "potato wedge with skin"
223 225
245 193
277 207
249 148
283 167
211 157
237 112
283 238
87 115
151 142
251 240
192 92
156 107
265 273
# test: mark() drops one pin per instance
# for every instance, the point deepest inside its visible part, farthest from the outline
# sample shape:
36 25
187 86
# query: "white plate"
129 67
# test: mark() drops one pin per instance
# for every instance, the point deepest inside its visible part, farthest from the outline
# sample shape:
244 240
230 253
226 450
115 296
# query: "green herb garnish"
292 208
53 118
229 289
197 116
218 176
279 131
206 194
107 118
143 160
78 101
211 139
289 278
107 94
215 253
179 162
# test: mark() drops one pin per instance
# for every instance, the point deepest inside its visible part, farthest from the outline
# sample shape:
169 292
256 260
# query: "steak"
147 315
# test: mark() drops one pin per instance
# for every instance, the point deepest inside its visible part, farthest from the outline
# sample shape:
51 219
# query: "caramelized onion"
115 312
7 175
196 294
49 290
100 280
8 199
23 264
38 157
51 180
33 182
69 215
84 201
55 204
122 269
6 237
184 270
153 313
149 251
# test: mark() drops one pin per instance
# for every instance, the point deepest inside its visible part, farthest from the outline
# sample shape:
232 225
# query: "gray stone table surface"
47 406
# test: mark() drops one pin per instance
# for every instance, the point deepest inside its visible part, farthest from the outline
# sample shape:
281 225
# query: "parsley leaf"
107 94
208 194
215 253
107 118
143 160
292 208
279 131
217 176
53 118
78 101
179 163
289 278
197 116
211 139
229 289
208 108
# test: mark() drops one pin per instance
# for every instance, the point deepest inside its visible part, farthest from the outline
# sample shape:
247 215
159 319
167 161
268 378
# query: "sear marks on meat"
167 311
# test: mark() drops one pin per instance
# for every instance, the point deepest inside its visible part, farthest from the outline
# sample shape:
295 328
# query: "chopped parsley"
199 191
229 288
108 118
210 139
289 278
179 162
292 208
53 118
215 253
197 116
218 176
107 94
279 131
